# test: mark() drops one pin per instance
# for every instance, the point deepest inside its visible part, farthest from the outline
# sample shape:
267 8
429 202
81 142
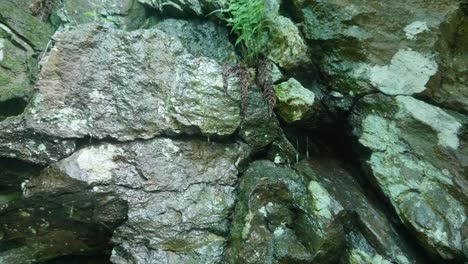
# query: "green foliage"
247 20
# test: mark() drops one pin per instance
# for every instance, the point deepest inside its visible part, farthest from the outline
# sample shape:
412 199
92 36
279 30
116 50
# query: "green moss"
4 79
16 15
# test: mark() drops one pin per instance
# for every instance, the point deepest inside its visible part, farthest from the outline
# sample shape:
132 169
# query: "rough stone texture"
281 219
418 159
294 101
286 47
258 128
102 83
365 45
15 79
186 7
15 14
179 194
201 38
21 35
111 83
19 141
126 14
450 88
372 233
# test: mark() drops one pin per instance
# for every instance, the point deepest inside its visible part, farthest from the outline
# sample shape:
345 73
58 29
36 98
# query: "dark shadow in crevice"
12 107
77 259
13 172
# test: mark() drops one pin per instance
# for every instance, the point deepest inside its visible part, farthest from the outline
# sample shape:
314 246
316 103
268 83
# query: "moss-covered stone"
278 220
410 152
15 72
294 101
125 14
16 15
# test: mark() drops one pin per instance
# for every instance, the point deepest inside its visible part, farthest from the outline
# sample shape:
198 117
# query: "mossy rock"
16 15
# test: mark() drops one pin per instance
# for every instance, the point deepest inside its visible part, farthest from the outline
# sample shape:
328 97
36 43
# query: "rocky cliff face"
118 143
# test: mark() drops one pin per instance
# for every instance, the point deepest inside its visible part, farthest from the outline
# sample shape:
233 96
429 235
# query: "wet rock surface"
426 183
179 195
118 143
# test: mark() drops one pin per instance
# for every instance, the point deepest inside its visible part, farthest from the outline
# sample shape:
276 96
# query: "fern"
248 22
246 18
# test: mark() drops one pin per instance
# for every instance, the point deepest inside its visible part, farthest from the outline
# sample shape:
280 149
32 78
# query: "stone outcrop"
119 143
179 195
418 160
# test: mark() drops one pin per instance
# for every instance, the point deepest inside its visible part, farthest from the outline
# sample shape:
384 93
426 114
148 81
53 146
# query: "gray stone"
126 14
201 38
179 193
294 101
286 46
186 7
412 145
395 47
372 233
20 142
281 219
258 128
126 85
101 82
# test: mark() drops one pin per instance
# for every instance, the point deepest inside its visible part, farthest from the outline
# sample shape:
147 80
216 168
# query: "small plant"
246 18
248 22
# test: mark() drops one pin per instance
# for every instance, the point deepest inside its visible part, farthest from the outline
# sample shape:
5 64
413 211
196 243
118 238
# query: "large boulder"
104 83
125 85
394 47
372 234
281 219
418 160
180 195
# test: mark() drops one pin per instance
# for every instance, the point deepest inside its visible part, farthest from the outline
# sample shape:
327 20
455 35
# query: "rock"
158 88
15 77
418 160
18 141
281 219
171 92
126 14
282 152
21 35
201 38
258 128
294 101
286 47
394 47
15 15
186 7
372 234
179 194
451 82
